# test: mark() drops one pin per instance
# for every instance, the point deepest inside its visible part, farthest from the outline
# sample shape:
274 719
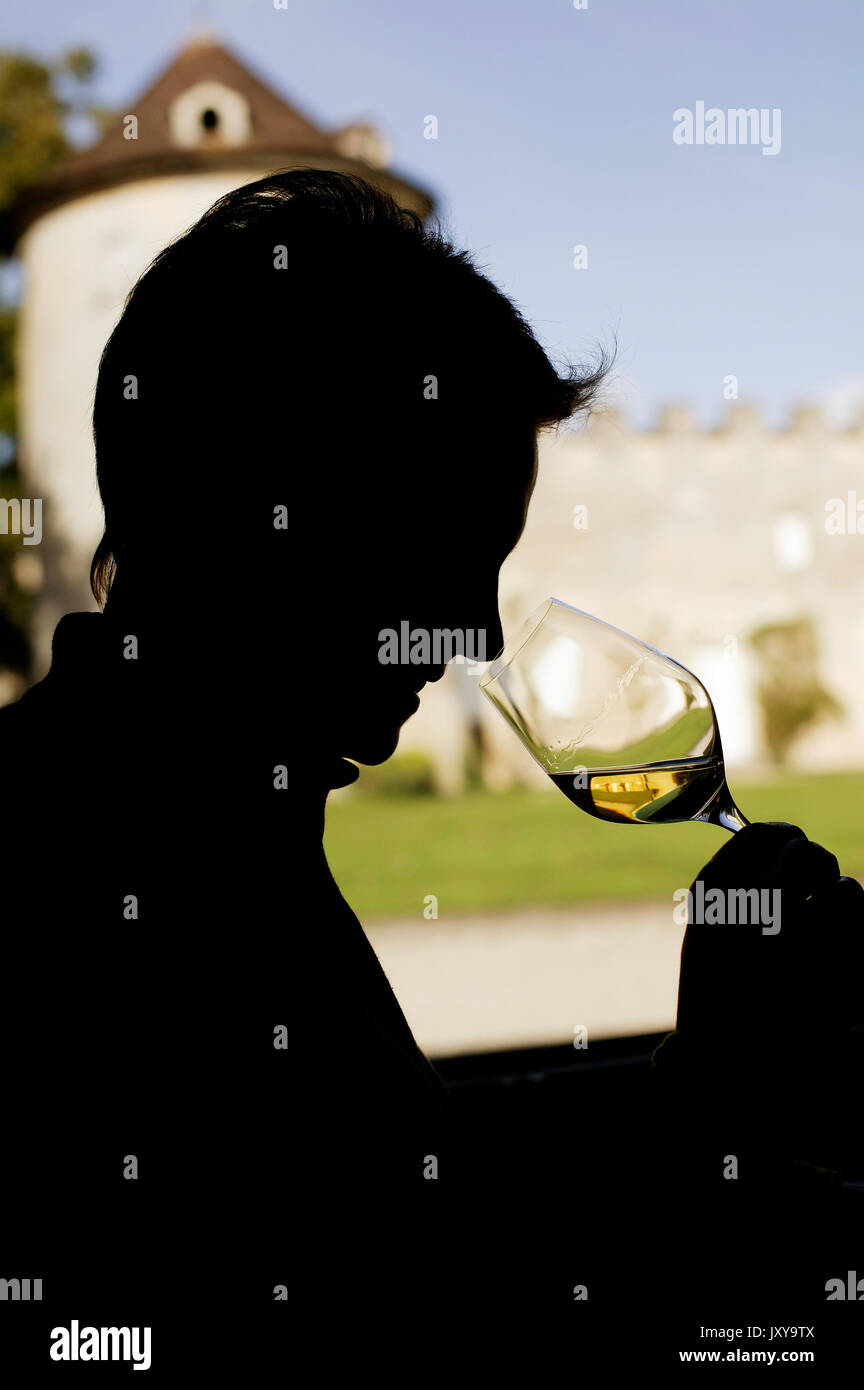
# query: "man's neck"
310 786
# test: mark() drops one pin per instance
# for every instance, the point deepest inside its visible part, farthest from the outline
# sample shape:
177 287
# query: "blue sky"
555 129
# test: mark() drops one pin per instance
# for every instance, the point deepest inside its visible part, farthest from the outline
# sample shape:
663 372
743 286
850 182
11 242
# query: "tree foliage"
792 696
39 102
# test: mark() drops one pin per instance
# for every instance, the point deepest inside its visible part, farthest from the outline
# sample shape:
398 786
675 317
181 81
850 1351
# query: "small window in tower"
209 113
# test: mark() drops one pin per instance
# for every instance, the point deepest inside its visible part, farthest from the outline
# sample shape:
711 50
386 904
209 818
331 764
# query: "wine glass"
626 733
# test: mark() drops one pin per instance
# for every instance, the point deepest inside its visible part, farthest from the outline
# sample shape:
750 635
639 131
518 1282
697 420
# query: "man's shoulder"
30 710
33 749
27 710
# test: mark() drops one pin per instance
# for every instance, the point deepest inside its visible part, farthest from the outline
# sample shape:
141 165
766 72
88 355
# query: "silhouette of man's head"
309 345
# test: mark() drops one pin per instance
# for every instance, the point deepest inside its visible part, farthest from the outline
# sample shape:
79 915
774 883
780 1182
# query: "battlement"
741 418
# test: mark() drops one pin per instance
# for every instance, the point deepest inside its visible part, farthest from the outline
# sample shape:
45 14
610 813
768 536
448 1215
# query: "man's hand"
773 1013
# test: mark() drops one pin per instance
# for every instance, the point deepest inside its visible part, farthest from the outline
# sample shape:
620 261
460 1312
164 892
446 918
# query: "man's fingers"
753 852
806 867
773 855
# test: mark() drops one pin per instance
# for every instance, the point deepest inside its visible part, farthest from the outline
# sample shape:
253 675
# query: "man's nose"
479 624
488 638
494 636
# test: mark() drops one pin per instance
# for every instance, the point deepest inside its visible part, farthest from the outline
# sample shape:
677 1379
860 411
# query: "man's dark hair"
305 314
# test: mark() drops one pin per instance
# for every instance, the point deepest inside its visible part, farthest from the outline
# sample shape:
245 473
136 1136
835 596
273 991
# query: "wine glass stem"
722 811
730 818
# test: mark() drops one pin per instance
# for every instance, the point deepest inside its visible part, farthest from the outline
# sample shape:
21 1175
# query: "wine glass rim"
535 619
514 645
529 627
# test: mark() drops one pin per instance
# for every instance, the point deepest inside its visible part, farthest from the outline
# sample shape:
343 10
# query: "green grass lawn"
518 848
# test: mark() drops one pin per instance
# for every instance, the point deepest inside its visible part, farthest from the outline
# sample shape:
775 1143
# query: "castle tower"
84 235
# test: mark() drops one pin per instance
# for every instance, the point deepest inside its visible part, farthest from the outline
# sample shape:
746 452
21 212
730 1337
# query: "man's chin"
373 750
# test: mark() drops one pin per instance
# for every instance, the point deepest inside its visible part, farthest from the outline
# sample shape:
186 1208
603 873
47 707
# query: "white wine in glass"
626 733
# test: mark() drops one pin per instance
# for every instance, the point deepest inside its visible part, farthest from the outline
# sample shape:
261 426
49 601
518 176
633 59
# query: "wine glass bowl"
628 734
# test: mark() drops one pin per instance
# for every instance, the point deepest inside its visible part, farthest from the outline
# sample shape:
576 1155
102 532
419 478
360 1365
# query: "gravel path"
477 983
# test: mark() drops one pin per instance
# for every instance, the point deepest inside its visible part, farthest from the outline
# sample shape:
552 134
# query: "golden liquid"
658 793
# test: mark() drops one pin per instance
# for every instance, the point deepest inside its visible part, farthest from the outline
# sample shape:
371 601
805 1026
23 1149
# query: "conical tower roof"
207 111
